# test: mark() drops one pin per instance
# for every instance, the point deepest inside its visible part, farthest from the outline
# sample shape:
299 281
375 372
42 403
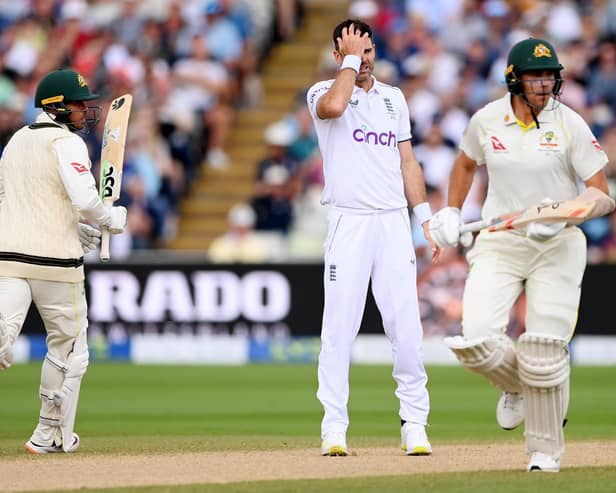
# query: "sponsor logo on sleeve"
80 168
596 144
317 92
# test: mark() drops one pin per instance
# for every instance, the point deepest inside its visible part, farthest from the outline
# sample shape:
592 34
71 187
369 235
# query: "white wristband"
422 212
351 61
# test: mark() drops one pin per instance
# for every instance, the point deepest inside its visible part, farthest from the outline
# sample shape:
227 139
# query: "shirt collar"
44 117
374 87
509 117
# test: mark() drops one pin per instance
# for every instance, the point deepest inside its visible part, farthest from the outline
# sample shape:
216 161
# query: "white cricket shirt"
526 165
361 161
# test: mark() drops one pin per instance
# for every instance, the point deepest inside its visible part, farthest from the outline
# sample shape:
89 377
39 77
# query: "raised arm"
351 46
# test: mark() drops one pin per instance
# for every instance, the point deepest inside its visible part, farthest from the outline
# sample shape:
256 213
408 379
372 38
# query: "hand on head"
352 41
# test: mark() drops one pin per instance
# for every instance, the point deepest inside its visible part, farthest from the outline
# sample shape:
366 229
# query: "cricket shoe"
510 411
414 439
334 444
543 462
35 448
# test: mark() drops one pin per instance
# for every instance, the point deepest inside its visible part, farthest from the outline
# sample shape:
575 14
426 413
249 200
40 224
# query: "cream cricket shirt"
527 165
361 162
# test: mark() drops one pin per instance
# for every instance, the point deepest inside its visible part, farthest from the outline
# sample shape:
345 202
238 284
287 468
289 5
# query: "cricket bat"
112 158
591 203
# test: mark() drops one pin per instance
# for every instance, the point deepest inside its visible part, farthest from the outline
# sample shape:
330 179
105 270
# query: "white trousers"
62 306
503 264
360 248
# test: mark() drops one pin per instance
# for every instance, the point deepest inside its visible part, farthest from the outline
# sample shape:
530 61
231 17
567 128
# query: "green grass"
129 409
179 408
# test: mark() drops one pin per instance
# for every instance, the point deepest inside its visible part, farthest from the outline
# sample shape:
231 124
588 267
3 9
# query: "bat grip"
474 226
105 245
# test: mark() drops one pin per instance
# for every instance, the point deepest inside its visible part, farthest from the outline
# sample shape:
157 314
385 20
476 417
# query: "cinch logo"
384 138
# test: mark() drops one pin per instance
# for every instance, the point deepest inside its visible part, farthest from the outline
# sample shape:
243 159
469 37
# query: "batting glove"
445 228
544 231
89 237
118 219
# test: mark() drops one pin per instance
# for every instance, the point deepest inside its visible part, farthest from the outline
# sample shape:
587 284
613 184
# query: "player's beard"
365 72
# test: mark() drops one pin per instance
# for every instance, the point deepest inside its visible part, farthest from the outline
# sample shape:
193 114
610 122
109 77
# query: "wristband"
351 61
422 212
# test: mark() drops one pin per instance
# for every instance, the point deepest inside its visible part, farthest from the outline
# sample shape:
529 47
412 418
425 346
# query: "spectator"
277 181
240 243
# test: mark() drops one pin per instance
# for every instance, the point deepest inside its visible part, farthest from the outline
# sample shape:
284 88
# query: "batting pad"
59 393
544 371
493 357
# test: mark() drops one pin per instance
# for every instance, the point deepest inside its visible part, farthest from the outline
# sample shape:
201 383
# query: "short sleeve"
314 94
587 156
404 123
470 143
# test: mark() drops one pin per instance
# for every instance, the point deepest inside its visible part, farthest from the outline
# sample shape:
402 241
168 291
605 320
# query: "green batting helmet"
60 86
531 54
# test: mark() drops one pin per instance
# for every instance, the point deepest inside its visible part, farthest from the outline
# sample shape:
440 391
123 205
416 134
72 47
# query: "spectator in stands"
277 181
240 243
202 89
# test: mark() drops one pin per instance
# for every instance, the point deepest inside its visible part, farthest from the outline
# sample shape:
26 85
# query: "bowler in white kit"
371 178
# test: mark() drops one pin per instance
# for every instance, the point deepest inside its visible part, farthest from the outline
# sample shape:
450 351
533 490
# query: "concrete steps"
289 68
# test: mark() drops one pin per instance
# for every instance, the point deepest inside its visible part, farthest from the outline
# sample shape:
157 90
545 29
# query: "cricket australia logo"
548 140
542 50
354 104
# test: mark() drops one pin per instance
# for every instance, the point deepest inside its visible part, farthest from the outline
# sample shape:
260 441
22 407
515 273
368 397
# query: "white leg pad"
59 392
544 370
78 364
493 357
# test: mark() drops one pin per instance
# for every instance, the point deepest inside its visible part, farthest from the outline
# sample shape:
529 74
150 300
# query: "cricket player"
535 150
45 186
371 177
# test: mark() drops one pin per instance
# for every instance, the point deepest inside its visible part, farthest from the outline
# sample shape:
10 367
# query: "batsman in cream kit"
371 178
536 151
47 192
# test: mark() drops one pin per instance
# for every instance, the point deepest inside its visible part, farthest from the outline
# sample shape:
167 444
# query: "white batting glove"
118 219
544 231
89 237
445 228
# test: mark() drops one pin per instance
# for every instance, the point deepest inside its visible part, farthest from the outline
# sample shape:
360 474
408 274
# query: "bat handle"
105 245
474 226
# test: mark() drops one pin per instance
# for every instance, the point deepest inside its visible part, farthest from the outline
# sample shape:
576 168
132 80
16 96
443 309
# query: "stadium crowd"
188 63
449 59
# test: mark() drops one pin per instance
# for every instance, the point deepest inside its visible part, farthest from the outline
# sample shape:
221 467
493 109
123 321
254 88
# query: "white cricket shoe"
334 444
35 448
414 439
510 411
543 462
